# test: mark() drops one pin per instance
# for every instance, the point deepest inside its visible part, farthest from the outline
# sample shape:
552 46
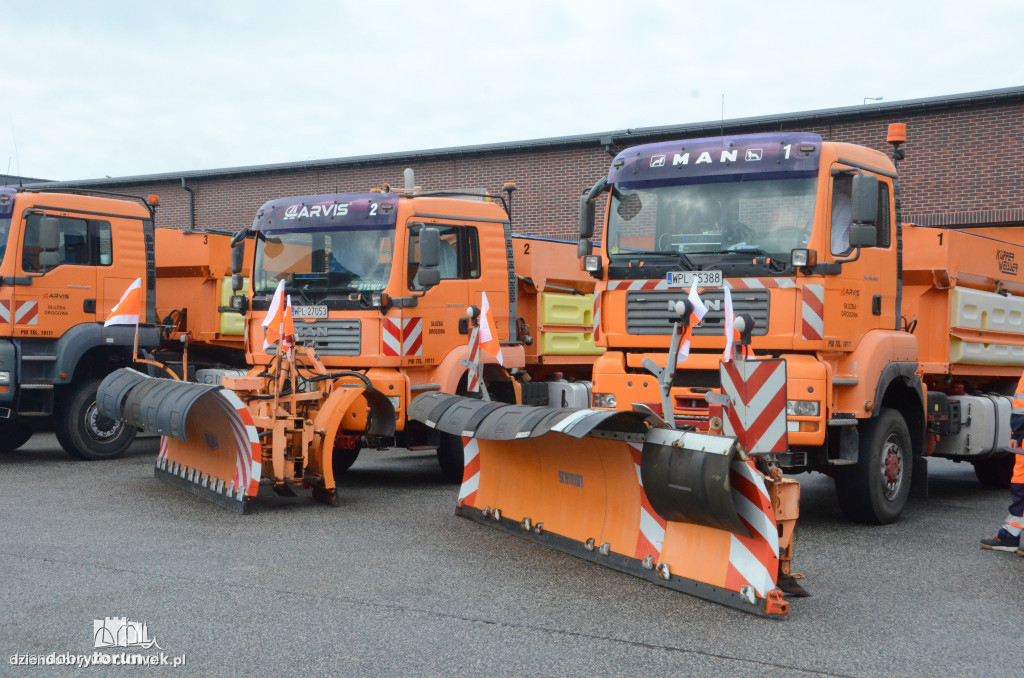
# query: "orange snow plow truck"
66 260
861 346
379 284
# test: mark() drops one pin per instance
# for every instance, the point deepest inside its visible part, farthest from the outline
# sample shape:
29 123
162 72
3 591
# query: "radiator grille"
330 337
647 311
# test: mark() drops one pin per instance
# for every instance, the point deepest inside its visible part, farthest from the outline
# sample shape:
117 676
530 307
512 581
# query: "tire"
995 471
83 432
875 489
13 434
450 457
343 458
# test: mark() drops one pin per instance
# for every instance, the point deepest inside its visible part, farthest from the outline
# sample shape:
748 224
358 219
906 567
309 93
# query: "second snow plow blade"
209 444
682 509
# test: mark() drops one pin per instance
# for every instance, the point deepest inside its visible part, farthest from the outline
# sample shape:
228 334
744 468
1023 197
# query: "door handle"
89 306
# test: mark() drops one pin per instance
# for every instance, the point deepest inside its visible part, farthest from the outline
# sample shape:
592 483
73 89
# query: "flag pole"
135 345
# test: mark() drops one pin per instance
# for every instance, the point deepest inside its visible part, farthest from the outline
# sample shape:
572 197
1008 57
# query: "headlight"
5 377
395 401
803 258
803 408
604 400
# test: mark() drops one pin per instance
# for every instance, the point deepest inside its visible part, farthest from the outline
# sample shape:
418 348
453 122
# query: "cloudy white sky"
91 88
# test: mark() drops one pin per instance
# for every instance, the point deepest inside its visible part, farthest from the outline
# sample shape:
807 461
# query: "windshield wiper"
771 261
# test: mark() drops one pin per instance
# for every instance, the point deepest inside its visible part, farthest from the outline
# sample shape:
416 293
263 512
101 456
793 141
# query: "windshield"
709 222
5 228
318 264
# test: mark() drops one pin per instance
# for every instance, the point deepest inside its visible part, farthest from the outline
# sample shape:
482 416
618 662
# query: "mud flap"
677 508
209 445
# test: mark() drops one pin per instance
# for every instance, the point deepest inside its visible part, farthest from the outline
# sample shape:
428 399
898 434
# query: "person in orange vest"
1008 537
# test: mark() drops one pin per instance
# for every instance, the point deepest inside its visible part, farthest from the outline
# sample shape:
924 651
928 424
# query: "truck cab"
65 260
367 300
805 235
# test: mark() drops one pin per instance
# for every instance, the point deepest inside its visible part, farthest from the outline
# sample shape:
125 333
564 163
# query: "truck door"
432 326
57 287
855 301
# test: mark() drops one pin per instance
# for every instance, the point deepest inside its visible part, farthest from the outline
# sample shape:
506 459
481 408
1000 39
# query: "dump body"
193 289
906 324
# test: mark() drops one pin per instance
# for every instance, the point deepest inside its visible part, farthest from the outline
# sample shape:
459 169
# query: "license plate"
309 311
704 278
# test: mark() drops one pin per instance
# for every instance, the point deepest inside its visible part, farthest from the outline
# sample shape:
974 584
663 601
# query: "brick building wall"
964 165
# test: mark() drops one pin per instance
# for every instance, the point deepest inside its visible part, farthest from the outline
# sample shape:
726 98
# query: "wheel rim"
892 467
101 427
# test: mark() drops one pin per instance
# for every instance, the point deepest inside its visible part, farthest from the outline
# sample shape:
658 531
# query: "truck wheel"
344 457
13 434
876 488
449 456
995 471
85 433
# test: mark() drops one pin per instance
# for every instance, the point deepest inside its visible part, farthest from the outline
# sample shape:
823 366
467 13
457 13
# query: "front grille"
330 337
647 311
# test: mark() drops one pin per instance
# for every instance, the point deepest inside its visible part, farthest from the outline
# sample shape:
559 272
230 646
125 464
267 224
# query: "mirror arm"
855 257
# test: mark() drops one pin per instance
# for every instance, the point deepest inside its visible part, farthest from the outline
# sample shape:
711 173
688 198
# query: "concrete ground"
390 582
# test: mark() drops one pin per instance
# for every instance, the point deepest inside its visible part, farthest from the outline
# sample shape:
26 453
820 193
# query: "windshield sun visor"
717 159
323 212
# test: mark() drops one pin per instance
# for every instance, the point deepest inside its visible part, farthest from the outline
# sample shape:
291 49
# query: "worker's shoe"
1003 541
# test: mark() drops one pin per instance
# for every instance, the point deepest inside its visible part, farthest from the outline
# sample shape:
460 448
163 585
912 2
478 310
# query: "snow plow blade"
209 445
683 509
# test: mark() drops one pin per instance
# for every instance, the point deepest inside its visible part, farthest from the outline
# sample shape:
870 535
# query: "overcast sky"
91 89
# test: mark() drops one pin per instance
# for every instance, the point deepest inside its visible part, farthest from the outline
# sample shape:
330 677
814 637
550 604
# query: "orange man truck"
901 341
380 284
66 260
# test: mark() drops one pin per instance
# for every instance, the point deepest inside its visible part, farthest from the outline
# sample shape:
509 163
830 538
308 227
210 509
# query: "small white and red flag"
129 308
489 331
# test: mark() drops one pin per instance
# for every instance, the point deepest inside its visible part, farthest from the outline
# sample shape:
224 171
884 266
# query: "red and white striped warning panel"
734 283
597 315
813 312
403 337
470 472
651 535
756 413
761 283
753 560
25 312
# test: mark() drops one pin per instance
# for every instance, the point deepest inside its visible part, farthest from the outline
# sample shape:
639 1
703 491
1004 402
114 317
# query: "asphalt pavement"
391 582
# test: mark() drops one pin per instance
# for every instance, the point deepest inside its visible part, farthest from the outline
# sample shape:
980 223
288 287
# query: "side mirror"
237 257
587 217
863 235
584 249
865 200
430 248
428 277
48 260
587 209
49 234
429 274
